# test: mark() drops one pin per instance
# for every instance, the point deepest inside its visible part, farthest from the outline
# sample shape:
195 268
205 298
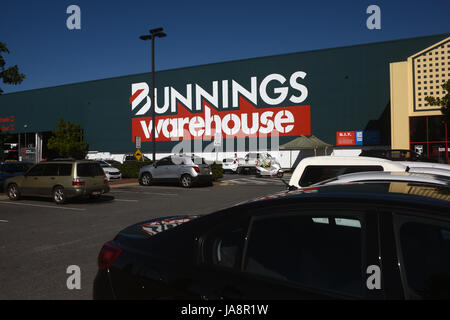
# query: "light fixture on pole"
154 33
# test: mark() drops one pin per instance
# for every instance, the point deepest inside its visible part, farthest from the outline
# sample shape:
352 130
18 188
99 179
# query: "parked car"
112 174
131 157
254 161
419 164
60 180
315 169
230 165
320 243
11 169
185 169
112 162
386 176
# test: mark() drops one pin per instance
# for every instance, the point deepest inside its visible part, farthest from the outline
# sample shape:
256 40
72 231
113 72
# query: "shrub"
217 171
130 169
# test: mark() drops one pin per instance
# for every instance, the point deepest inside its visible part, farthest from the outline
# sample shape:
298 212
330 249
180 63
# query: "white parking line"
126 200
6 221
171 188
41 206
149 193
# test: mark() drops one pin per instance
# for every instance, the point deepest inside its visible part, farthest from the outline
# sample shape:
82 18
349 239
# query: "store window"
429 136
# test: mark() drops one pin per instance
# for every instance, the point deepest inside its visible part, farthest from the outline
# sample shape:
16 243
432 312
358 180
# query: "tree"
9 75
444 102
67 140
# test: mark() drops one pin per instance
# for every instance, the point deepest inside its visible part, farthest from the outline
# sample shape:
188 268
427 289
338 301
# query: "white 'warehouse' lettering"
231 124
172 96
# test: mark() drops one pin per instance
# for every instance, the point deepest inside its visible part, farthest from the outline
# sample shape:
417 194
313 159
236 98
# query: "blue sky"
199 32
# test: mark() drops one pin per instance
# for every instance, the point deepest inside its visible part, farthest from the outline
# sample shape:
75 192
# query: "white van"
315 169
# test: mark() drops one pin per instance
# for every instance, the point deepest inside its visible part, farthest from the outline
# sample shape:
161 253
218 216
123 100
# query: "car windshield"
104 164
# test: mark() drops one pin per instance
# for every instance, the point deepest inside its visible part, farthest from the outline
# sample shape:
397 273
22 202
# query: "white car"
430 165
385 176
312 170
112 174
230 164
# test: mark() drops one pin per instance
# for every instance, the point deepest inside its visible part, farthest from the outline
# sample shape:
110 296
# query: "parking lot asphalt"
39 240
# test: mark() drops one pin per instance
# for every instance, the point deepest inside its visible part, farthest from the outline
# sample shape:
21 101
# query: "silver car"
187 170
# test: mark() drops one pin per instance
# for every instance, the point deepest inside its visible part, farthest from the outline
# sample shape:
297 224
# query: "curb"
124 185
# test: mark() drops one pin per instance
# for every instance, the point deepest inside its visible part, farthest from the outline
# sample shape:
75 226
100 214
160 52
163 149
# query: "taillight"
105 180
196 169
78 182
107 256
234 162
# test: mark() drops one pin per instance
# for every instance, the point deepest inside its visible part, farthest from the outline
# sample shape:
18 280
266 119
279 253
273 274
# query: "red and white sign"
7 124
202 117
345 138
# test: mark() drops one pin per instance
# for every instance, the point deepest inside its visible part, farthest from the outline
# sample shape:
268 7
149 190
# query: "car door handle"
53 178
35 178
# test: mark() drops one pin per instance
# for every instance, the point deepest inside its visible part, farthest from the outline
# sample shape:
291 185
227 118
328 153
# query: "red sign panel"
7 124
247 121
345 138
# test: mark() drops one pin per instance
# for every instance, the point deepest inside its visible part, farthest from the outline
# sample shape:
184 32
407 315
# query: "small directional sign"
138 154
217 139
138 142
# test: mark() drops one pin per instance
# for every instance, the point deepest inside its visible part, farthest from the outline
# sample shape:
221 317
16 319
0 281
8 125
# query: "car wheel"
239 170
58 195
13 192
279 174
146 179
186 181
94 196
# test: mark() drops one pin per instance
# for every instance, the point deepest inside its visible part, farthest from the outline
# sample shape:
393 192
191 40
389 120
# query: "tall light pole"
154 33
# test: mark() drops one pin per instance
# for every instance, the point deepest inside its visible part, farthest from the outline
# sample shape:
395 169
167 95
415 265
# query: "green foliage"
130 169
9 75
217 171
444 102
67 140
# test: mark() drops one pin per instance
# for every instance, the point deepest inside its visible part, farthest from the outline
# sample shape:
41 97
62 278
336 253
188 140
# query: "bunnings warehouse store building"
349 97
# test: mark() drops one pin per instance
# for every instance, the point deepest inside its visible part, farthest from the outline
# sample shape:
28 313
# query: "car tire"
186 181
280 174
146 179
58 195
13 192
239 170
94 197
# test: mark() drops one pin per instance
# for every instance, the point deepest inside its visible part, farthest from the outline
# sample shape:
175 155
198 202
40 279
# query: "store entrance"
29 146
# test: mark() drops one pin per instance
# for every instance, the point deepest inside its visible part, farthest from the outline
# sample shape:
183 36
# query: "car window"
164 162
65 169
316 250
36 171
50 169
313 174
89 170
9 168
14 167
104 164
425 251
